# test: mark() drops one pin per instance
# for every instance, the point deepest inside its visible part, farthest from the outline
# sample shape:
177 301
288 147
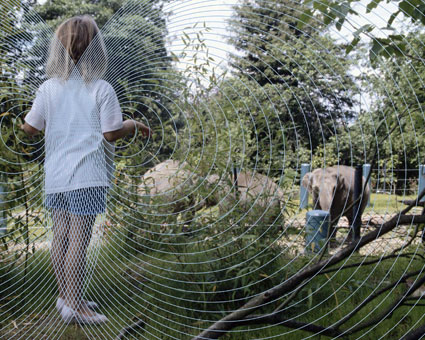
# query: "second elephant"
251 191
332 189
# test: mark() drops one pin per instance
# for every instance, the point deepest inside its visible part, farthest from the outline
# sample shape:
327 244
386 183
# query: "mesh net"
206 220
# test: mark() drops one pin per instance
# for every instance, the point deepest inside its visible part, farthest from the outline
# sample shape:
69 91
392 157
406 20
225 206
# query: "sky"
215 13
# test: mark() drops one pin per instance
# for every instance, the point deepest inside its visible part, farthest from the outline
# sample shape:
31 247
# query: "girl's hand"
29 130
144 129
128 128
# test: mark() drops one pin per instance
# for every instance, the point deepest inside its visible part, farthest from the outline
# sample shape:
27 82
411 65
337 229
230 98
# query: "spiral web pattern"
197 232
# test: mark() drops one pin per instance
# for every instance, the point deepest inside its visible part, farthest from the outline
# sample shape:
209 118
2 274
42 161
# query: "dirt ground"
294 241
382 246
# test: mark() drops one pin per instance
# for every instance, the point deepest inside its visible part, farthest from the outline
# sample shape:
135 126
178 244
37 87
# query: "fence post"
385 178
236 171
316 231
3 222
305 168
366 171
358 188
421 185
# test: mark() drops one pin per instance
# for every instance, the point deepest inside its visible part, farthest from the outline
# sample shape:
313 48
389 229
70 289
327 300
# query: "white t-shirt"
74 116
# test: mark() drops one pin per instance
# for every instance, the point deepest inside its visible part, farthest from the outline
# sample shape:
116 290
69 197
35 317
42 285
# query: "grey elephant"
332 189
254 191
170 186
173 188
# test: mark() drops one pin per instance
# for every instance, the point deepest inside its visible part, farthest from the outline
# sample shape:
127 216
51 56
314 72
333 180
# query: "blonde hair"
77 43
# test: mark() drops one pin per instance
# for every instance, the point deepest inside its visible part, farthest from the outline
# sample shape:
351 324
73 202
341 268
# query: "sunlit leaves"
337 13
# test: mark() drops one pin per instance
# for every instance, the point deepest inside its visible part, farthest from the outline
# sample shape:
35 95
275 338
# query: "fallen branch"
406 244
131 329
366 263
227 323
415 334
389 311
279 320
289 298
417 203
373 296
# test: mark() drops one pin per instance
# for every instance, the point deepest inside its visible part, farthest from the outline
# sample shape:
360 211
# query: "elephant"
172 183
253 189
170 186
332 189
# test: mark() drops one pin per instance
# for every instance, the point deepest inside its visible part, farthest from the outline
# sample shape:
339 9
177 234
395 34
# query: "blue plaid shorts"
85 201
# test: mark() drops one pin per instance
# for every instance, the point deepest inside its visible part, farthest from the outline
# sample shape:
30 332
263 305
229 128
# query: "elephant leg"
350 236
332 242
351 221
316 202
332 233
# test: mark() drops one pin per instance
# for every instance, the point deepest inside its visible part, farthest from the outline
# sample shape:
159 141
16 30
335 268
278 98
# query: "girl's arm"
129 128
29 130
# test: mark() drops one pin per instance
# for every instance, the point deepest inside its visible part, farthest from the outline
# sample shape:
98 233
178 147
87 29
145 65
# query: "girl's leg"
79 235
60 247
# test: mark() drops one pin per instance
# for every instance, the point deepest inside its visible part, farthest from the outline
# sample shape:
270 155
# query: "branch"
131 329
366 263
415 334
418 204
220 327
279 320
373 296
388 312
406 244
290 297
413 203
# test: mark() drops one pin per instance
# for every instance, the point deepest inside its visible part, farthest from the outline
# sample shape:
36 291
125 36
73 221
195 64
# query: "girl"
81 117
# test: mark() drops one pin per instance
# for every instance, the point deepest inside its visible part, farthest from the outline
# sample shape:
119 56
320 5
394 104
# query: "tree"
335 12
399 101
138 62
393 80
296 83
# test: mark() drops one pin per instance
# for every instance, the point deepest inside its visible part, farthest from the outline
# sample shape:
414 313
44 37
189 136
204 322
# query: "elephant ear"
306 181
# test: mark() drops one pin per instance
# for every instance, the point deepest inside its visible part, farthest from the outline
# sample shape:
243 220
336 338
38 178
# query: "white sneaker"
71 316
94 319
68 314
90 304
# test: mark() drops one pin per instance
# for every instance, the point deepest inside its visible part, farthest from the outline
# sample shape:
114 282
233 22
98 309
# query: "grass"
175 310
387 204
176 294
380 204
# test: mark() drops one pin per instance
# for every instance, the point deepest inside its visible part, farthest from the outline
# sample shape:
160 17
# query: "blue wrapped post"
366 171
305 168
421 180
3 224
316 230
357 216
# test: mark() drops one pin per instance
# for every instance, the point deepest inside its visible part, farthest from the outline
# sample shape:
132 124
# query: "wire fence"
395 181
383 180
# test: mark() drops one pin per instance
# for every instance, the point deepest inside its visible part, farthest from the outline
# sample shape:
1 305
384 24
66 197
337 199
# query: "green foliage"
19 168
21 157
399 101
138 63
180 295
55 12
295 85
335 12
